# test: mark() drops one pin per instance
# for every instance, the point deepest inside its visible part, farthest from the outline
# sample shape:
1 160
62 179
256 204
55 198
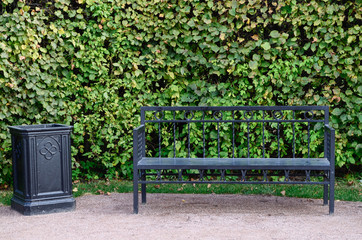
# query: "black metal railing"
276 122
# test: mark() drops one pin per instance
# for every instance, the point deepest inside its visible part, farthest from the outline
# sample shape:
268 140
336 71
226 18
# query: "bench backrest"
235 132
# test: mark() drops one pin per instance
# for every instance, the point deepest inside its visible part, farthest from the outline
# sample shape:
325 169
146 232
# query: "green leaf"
232 12
265 45
253 65
169 15
213 134
172 75
266 56
256 57
337 111
234 4
138 72
274 34
4 55
215 48
178 146
207 21
191 23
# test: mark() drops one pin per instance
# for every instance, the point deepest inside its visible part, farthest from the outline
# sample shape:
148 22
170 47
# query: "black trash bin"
42 169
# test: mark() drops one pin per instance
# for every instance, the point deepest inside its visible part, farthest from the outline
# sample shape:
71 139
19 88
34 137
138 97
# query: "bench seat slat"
234 163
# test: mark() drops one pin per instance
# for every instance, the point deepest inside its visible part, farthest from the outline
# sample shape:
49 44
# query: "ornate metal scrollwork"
276 113
179 172
190 114
265 175
201 172
243 175
306 115
222 175
157 112
217 115
307 173
286 172
251 115
158 175
48 150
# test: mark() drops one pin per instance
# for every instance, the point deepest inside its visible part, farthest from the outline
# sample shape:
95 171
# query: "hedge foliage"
92 64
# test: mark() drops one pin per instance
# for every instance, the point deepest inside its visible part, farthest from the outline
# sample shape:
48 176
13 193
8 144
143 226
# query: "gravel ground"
188 216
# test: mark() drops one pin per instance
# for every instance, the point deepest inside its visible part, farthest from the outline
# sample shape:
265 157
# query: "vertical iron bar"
308 139
159 139
263 134
203 132
144 143
293 134
248 140
188 138
233 135
218 139
174 135
326 121
278 141
143 118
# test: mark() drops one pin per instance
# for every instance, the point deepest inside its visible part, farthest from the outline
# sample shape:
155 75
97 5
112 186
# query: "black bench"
242 145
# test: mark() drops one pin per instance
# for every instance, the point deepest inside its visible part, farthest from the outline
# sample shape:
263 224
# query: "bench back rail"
230 132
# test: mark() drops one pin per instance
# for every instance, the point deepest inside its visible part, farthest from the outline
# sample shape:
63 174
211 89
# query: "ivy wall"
92 64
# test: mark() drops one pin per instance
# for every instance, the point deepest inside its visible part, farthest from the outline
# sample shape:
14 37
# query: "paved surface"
188 216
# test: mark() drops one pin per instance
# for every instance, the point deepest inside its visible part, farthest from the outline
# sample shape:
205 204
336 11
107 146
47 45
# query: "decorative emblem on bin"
48 150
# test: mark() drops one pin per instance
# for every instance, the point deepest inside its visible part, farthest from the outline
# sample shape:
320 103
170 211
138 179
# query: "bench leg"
135 191
325 193
331 193
143 188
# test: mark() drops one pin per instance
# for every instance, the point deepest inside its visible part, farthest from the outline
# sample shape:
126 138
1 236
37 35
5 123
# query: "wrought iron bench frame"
141 163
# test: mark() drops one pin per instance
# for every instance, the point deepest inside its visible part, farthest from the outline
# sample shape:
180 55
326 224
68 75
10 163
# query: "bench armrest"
329 144
138 144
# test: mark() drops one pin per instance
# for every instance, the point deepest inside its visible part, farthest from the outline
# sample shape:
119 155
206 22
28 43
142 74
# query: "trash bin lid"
40 127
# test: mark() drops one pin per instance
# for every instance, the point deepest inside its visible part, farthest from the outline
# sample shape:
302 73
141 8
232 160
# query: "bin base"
43 206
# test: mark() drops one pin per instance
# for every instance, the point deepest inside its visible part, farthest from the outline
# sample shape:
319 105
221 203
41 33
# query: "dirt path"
184 216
